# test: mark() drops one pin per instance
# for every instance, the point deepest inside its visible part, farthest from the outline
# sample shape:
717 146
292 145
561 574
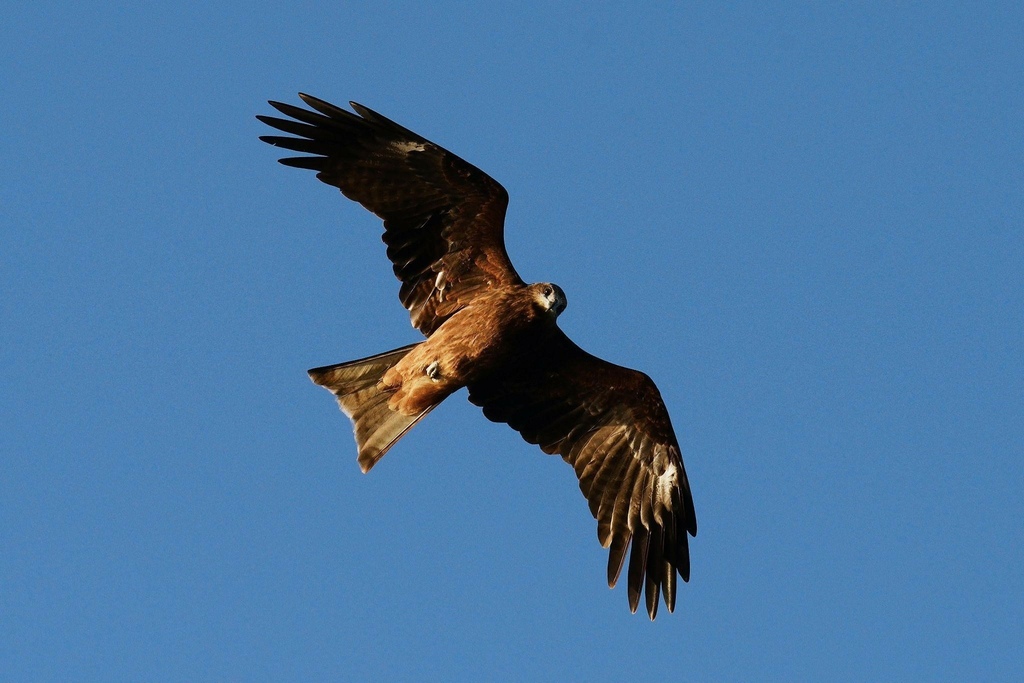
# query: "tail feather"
356 384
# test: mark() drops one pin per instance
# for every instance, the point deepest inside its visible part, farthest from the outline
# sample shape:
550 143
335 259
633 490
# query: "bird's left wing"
611 425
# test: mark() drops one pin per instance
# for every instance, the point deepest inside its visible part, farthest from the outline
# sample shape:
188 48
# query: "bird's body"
488 331
467 347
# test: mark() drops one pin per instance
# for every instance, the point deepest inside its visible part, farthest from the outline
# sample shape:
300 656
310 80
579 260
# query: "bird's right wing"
443 217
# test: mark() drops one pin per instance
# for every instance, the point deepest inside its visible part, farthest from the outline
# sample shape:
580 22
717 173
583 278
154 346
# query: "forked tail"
357 386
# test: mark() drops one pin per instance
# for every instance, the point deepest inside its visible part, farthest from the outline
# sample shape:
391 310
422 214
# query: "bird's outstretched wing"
443 217
611 425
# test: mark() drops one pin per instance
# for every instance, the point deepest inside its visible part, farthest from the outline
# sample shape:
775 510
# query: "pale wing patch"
405 147
668 481
440 284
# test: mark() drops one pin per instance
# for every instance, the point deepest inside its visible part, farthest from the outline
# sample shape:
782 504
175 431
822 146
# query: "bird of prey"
492 333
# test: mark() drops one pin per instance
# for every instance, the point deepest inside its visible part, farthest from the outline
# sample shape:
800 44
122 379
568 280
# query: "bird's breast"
483 334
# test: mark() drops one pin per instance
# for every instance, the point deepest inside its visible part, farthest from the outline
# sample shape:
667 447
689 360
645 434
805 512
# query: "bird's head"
550 297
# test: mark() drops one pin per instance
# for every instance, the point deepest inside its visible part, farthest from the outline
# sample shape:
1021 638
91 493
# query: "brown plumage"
489 331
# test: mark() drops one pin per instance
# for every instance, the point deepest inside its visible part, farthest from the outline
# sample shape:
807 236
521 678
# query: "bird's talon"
434 371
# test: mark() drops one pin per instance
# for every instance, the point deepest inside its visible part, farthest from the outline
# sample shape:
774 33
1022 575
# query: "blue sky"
803 220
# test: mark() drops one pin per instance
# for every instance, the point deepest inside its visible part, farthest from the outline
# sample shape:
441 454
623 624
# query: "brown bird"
492 333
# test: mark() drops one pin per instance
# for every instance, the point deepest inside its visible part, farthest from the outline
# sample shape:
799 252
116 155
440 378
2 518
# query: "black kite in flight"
489 331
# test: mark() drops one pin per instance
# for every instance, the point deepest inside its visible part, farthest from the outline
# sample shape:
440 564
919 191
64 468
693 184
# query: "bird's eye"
548 291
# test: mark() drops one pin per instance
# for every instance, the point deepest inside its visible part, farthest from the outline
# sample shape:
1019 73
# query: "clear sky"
803 220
